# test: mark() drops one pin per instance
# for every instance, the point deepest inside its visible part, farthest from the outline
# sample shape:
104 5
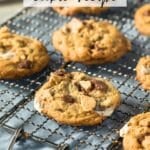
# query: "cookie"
90 42
70 11
142 19
143 72
20 56
136 133
76 99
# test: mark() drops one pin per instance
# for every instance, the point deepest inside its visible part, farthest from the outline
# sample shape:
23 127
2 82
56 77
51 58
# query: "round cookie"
90 42
136 133
76 98
143 72
20 56
142 19
70 11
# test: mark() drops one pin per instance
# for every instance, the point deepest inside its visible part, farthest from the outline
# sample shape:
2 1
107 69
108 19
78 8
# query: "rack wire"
16 97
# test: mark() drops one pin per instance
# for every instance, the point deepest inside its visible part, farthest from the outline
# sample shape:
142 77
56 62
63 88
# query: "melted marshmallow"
106 112
37 106
124 130
75 25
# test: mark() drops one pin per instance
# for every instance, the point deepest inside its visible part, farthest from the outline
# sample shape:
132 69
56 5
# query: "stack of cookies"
75 98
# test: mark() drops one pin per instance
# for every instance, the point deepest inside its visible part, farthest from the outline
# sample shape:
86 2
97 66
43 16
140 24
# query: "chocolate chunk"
68 29
92 46
81 89
84 22
25 64
60 110
68 99
100 85
22 44
60 72
146 13
78 86
90 26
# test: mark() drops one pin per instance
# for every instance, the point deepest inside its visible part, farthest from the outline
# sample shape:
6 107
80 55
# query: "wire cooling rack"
16 97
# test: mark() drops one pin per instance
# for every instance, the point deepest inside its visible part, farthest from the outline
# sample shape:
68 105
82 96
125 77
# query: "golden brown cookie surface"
136 133
143 72
20 56
76 98
142 19
70 11
90 42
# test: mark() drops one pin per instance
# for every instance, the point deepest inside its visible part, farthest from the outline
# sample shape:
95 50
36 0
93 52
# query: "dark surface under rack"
16 97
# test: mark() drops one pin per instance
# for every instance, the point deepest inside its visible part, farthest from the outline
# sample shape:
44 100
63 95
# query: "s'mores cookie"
76 99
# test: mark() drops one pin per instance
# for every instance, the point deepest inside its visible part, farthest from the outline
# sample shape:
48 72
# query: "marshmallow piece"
7 55
107 112
37 106
124 130
75 25
85 85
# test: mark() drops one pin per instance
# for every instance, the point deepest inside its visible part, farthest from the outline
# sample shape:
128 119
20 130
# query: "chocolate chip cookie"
20 56
90 42
70 11
143 72
142 19
76 99
136 133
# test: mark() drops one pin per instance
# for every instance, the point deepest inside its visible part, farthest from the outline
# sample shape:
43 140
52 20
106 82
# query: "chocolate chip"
22 44
60 72
99 85
146 13
68 99
59 109
79 87
25 64
2 47
84 22
90 26
68 29
92 46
